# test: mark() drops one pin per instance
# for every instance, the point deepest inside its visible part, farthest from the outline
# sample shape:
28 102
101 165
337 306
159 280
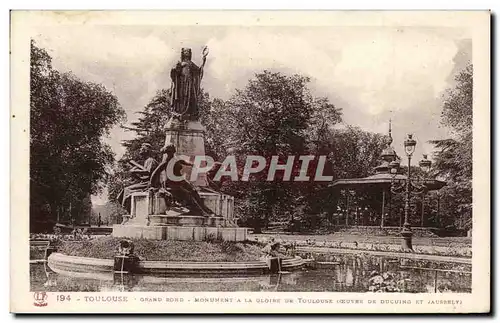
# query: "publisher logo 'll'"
40 299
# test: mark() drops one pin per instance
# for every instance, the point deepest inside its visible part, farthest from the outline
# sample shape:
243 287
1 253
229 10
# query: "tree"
68 160
355 152
214 116
274 115
453 156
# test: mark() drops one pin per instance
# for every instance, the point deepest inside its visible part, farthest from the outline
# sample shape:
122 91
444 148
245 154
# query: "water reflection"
333 273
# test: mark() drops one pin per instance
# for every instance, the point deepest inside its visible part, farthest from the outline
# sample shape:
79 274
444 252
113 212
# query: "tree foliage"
68 159
274 115
453 156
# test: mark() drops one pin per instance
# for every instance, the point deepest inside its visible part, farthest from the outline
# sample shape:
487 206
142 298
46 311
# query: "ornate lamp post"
409 144
409 186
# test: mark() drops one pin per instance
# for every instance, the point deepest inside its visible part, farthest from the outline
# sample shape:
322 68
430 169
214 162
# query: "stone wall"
183 233
387 231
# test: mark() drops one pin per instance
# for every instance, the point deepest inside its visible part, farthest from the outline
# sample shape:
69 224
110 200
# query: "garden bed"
451 247
458 251
166 250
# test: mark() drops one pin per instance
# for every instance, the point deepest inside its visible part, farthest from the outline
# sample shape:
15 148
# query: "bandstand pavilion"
378 186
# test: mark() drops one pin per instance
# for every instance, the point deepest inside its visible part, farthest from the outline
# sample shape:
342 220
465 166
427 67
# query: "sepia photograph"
198 156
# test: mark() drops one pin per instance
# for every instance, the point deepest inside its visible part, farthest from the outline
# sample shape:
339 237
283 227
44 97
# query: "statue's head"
186 54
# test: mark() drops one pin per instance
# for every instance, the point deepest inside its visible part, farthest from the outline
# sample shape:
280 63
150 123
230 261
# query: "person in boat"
272 248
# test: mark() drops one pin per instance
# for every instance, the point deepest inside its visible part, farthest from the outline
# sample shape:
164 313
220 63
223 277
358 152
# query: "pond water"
344 273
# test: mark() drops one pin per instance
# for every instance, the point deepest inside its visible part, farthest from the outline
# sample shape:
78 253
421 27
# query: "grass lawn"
193 251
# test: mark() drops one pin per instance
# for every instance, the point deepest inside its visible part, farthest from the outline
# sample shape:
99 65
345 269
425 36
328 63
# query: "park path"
414 256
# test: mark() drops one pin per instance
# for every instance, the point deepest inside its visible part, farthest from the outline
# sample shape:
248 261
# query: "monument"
163 207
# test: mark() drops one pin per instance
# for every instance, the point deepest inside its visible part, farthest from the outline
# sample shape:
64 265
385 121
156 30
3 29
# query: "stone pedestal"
140 209
177 224
188 137
152 218
184 233
145 206
186 220
221 204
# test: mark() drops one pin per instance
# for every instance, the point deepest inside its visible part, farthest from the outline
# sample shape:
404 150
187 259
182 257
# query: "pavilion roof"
382 176
382 179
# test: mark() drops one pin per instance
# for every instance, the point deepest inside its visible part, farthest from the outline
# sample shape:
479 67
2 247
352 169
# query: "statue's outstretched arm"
204 60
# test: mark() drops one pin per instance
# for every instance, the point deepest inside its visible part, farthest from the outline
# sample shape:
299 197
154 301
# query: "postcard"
250 162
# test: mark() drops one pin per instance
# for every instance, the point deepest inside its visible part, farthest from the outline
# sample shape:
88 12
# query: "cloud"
390 70
377 71
263 49
122 62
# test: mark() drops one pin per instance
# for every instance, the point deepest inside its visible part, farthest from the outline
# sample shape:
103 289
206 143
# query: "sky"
373 73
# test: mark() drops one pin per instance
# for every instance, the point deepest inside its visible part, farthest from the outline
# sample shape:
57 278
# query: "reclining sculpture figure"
182 190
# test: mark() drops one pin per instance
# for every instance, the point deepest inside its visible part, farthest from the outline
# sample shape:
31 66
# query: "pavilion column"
357 215
438 218
383 209
347 210
422 216
390 204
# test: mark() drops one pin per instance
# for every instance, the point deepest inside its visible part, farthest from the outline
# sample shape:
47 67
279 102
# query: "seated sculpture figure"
142 174
182 190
